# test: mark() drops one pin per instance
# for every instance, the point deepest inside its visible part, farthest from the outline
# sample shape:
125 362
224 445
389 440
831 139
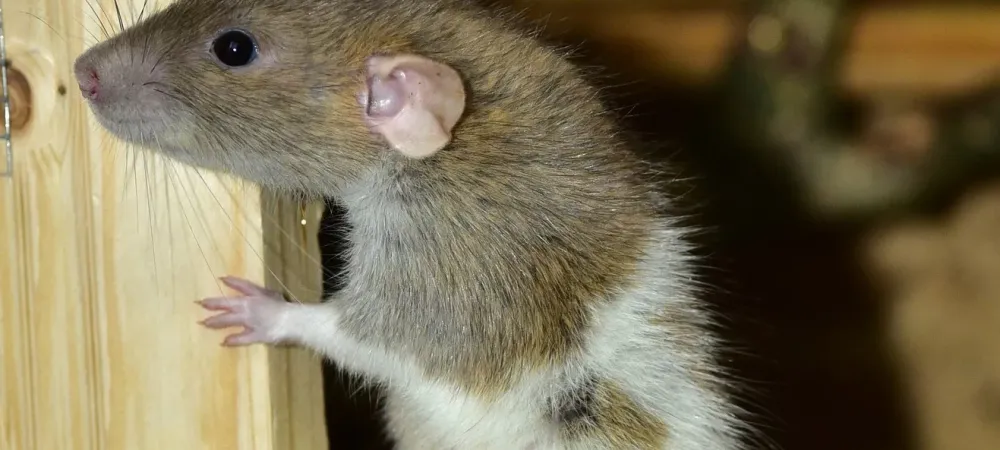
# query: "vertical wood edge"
293 265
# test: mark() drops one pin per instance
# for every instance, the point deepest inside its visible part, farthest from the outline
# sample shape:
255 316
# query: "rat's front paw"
258 310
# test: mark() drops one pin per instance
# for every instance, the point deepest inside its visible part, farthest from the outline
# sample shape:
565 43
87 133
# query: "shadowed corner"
353 416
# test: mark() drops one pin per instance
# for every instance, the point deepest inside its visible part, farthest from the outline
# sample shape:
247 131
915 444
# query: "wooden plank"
296 376
111 246
933 49
48 369
937 49
619 5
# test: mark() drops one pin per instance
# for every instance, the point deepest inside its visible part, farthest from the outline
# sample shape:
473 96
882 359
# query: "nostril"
89 82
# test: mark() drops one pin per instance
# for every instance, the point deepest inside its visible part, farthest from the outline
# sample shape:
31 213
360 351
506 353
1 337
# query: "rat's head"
306 94
267 90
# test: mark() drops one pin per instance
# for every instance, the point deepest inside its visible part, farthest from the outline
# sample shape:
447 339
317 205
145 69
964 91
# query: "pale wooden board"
103 257
49 372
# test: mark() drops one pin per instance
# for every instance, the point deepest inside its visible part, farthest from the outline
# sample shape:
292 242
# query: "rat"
515 279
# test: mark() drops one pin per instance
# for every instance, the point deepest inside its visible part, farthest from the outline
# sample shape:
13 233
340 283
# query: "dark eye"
235 48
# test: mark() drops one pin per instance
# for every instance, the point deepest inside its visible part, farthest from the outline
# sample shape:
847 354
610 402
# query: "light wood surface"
104 251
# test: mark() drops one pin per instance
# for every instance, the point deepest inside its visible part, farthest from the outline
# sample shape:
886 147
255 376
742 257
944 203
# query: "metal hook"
8 148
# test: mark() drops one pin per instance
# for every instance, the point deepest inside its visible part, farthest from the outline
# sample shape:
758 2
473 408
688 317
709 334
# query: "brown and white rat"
513 281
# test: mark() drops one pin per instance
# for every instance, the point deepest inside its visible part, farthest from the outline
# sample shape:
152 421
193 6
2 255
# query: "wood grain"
105 249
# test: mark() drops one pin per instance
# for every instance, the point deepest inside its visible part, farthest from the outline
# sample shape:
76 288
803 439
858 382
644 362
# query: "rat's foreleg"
267 318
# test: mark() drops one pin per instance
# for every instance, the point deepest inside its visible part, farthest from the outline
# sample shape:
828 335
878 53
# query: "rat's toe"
221 303
224 320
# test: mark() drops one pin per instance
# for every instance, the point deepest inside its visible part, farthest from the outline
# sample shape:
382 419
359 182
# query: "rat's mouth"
135 130
145 128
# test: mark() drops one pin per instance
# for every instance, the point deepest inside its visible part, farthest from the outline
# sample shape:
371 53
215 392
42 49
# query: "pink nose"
89 82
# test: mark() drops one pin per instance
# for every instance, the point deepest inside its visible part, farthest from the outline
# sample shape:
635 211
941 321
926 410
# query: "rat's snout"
126 95
88 78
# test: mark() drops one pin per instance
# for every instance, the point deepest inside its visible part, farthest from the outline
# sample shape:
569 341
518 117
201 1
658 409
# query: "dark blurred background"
840 158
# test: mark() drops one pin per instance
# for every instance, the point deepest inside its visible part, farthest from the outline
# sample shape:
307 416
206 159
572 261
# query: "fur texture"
520 289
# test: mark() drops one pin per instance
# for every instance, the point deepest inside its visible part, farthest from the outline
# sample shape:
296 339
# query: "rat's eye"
235 48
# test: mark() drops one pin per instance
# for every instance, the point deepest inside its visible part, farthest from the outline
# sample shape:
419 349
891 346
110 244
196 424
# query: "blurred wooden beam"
923 49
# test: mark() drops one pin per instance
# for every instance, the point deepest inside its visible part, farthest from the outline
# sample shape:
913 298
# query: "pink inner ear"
385 96
413 102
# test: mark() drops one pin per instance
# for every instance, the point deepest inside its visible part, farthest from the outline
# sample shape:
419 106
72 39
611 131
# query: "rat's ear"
413 102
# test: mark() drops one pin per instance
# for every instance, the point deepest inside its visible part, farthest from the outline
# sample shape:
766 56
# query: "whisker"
85 28
121 25
187 221
158 61
254 250
196 203
150 218
135 186
118 11
45 23
274 222
173 96
97 16
167 185
111 23
90 33
129 154
189 194
131 11
143 11
173 46
268 246
145 43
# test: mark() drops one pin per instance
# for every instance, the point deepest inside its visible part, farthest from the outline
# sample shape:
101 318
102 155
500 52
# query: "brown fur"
536 182
602 412
483 263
